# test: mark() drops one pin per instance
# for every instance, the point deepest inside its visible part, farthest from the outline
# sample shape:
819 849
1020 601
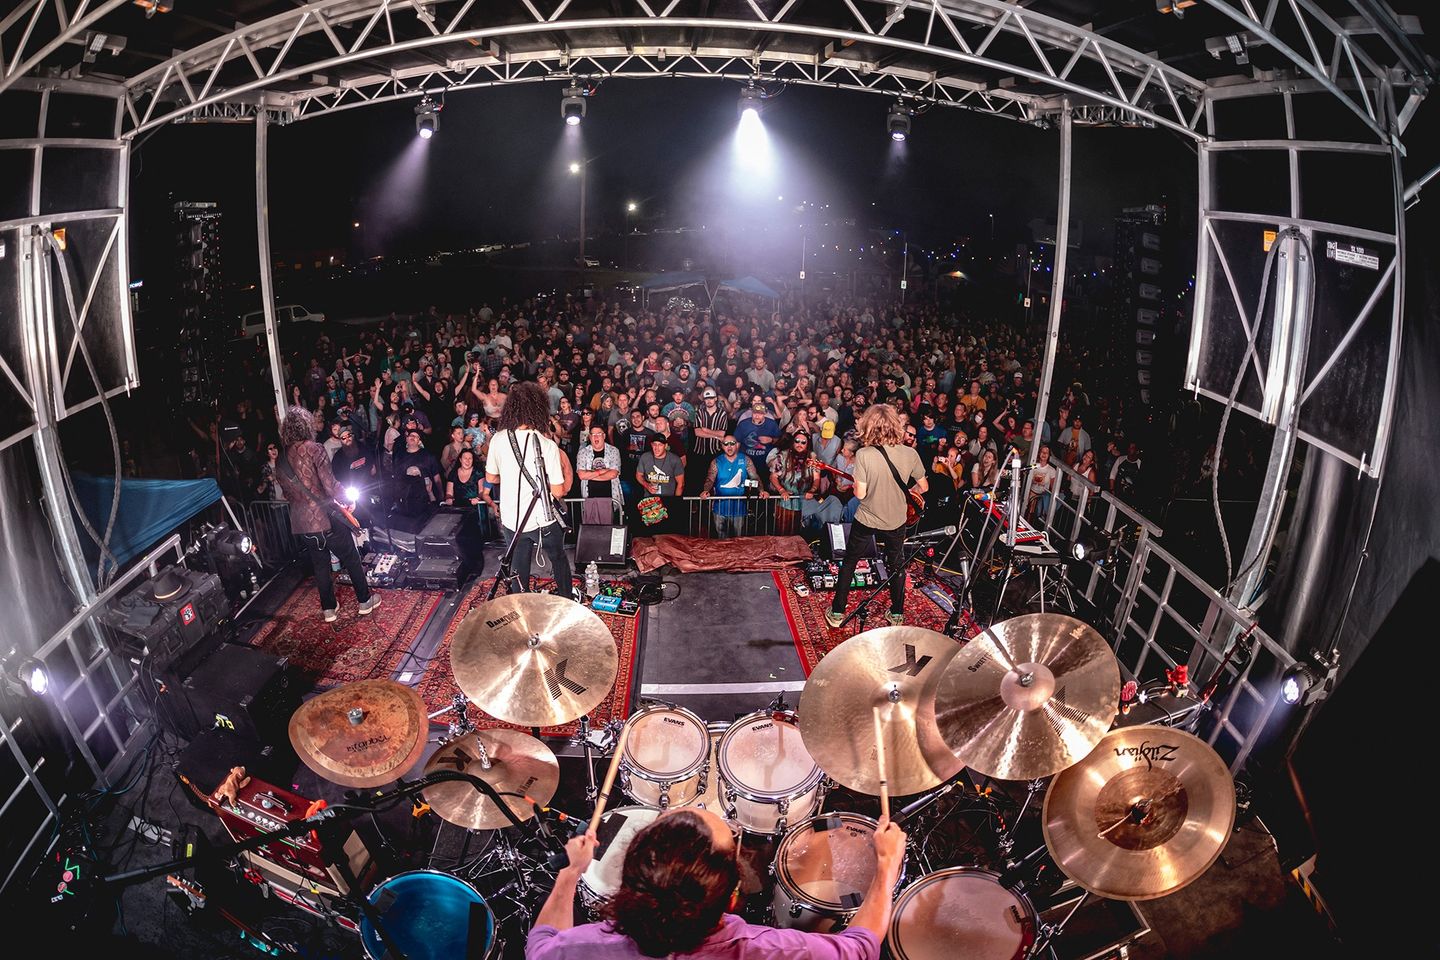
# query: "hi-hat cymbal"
1028 696
534 659
1144 814
894 670
518 764
364 734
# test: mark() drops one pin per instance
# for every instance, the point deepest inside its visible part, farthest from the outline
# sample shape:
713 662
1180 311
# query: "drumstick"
609 779
880 763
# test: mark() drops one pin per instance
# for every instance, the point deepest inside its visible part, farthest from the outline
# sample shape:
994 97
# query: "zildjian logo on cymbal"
555 680
1158 753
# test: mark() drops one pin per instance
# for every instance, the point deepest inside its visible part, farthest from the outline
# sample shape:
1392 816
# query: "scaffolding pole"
267 279
1057 285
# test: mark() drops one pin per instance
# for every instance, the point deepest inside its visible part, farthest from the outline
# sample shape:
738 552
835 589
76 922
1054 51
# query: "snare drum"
602 878
961 912
822 870
767 778
667 757
430 916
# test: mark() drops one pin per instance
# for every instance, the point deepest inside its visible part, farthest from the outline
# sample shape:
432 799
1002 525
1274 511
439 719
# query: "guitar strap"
904 491
330 510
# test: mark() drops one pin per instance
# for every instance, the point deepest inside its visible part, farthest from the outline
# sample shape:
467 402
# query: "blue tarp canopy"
748 285
149 509
671 281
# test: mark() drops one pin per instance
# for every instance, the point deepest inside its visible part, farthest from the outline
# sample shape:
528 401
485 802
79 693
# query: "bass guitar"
914 502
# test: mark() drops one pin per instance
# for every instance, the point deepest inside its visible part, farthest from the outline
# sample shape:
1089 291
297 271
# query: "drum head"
617 828
766 756
829 860
960 913
429 916
665 742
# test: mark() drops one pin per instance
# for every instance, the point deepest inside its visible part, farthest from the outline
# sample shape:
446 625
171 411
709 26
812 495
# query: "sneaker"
834 619
896 619
329 614
369 605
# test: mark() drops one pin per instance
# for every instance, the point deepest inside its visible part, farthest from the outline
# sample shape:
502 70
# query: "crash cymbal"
364 734
1144 814
518 764
534 659
894 670
1028 696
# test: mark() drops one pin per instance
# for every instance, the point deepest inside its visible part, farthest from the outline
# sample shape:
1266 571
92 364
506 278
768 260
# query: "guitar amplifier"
440 537
241 689
436 573
295 864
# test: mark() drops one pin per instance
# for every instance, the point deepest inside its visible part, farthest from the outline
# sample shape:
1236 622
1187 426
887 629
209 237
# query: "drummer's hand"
889 846
581 850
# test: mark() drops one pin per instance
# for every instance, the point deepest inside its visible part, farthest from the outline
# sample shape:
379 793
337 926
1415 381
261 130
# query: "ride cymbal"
894 670
1143 815
534 659
1028 697
518 763
363 734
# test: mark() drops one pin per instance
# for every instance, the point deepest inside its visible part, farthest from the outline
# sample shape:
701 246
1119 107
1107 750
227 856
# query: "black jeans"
551 539
862 539
336 540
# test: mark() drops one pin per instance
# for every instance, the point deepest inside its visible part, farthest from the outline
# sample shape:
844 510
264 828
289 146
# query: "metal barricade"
269 528
1160 614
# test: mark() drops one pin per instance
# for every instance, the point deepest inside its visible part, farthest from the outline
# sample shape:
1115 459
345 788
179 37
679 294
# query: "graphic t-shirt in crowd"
661 473
748 432
884 505
633 442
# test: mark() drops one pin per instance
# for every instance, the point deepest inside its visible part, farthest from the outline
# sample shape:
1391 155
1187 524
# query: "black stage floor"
720 648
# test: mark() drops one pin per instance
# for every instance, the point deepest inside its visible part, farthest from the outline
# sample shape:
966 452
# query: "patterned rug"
438 684
813 636
353 647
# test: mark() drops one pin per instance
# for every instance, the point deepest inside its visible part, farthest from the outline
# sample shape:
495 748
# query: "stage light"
750 99
233 543
572 105
574 167
427 117
897 121
28 677
631 207
1311 679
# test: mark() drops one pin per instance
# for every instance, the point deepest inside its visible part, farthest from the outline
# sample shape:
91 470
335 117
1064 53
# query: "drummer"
680 882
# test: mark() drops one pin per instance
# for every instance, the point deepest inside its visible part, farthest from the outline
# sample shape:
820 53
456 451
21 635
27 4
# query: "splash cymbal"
534 659
1028 697
363 734
518 763
1144 814
893 670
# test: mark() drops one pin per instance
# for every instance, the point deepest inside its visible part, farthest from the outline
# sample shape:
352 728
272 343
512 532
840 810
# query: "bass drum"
822 870
961 912
767 777
602 878
666 762
430 916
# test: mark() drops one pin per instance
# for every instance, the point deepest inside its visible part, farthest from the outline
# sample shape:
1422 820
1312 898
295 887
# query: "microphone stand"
884 585
504 571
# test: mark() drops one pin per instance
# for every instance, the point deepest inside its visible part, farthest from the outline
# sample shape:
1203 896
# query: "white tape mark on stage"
657 689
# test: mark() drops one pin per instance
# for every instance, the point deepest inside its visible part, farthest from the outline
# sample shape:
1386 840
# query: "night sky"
496 170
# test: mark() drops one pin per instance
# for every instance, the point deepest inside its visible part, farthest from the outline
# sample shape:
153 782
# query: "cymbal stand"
460 723
1006 842
920 835
592 740
1049 931
1057 588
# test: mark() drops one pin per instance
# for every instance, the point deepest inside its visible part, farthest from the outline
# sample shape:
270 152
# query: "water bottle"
592 580
334 563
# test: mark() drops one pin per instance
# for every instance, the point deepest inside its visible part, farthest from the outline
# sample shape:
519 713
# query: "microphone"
939 533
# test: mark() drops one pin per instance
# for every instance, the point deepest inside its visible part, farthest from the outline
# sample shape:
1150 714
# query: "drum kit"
1131 813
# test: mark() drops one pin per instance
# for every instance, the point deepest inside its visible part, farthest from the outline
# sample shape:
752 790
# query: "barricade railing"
1160 614
269 528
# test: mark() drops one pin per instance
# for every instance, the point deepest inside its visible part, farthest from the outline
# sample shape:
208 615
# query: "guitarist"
888 477
309 486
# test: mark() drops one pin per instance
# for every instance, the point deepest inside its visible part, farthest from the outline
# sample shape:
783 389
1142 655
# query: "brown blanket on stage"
693 554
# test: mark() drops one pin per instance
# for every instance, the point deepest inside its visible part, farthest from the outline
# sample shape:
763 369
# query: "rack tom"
767 777
961 912
666 762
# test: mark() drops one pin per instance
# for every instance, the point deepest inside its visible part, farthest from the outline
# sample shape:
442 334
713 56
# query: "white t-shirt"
515 491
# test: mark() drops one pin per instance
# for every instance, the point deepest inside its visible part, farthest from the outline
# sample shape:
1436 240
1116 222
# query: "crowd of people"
738 403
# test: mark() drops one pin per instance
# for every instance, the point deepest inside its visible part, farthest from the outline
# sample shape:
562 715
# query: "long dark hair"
525 405
675 886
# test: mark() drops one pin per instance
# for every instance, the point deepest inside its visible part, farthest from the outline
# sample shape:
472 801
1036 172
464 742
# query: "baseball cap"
708 394
757 404
827 429
658 437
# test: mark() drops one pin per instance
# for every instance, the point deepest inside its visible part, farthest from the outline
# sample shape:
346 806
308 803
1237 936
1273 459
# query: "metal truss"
894 46
35 29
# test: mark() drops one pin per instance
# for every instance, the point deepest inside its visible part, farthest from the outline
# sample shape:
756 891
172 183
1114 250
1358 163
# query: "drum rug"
353 647
813 636
438 684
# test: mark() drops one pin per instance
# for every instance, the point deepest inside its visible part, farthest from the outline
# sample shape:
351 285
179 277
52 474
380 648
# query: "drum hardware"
459 723
1049 931
1006 841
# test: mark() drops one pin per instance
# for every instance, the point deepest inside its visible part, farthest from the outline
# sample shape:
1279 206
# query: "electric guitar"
914 502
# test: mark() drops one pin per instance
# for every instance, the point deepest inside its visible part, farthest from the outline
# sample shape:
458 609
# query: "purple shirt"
734 940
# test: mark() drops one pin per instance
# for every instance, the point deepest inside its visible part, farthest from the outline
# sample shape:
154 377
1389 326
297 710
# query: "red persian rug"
813 636
353 647
438 684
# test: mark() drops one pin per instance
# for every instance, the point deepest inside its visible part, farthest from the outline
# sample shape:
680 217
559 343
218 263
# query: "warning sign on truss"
1352 254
